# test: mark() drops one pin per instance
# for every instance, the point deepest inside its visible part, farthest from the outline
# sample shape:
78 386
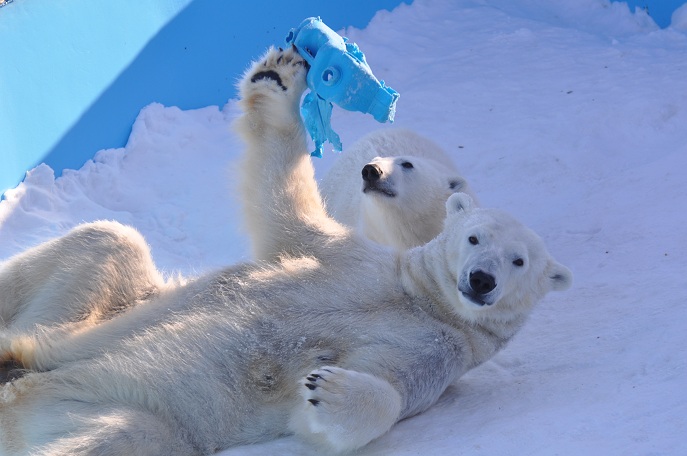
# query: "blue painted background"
660 10
75 73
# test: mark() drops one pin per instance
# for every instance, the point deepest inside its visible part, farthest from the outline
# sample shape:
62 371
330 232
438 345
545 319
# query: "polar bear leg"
344 409
121 432
89 429
89 274
282 205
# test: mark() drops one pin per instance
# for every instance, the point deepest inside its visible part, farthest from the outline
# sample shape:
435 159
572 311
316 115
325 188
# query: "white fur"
352 408
411 212
335 340
112 265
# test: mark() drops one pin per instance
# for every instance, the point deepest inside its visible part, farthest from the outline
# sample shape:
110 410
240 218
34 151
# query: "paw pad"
268 74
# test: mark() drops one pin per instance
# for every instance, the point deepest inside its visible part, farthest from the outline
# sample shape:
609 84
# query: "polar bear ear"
458 202
456 183
559 276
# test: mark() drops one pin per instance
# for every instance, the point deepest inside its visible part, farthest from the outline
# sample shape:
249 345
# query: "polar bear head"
404 199
498 267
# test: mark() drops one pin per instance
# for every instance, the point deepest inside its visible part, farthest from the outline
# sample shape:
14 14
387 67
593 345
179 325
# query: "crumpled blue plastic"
338 74
317 116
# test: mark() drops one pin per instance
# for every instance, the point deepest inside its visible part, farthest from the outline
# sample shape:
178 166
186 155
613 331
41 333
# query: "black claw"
312 378
314 402
310 386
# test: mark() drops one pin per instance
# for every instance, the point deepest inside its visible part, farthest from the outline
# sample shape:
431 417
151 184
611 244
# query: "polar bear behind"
392 186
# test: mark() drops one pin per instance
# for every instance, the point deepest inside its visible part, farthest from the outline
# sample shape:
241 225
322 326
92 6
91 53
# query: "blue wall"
660 11
75 73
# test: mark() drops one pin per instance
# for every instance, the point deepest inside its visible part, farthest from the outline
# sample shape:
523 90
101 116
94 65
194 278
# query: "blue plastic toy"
338 73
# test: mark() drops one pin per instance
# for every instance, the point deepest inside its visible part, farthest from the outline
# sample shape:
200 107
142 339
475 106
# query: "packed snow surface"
571 115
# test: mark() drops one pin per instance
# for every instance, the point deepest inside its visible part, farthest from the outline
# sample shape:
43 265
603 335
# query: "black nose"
481 282
371 173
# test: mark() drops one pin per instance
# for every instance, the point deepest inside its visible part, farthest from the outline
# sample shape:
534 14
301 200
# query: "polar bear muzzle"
373 181
477 287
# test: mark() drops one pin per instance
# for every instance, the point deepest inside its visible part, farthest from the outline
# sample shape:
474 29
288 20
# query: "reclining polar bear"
392 186
335 341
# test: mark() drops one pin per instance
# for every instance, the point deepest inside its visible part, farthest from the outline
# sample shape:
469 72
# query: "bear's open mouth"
374 189
475 299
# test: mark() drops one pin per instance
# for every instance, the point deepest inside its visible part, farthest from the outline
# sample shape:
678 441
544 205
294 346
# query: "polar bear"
335 339
392 186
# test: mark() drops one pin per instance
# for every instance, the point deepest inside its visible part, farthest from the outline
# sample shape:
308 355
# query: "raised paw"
345 409
278 62
277 79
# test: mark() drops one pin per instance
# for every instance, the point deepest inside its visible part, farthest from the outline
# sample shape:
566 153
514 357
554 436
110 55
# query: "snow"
679 18
571 115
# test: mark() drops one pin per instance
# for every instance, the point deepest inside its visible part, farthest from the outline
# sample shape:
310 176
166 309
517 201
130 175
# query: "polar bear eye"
407 165
519 262
473 240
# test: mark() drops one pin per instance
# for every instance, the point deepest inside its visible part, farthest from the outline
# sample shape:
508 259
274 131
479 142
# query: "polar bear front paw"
273 85
344 409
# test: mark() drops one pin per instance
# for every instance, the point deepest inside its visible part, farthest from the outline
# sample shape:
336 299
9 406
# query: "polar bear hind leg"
93 272
92 429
